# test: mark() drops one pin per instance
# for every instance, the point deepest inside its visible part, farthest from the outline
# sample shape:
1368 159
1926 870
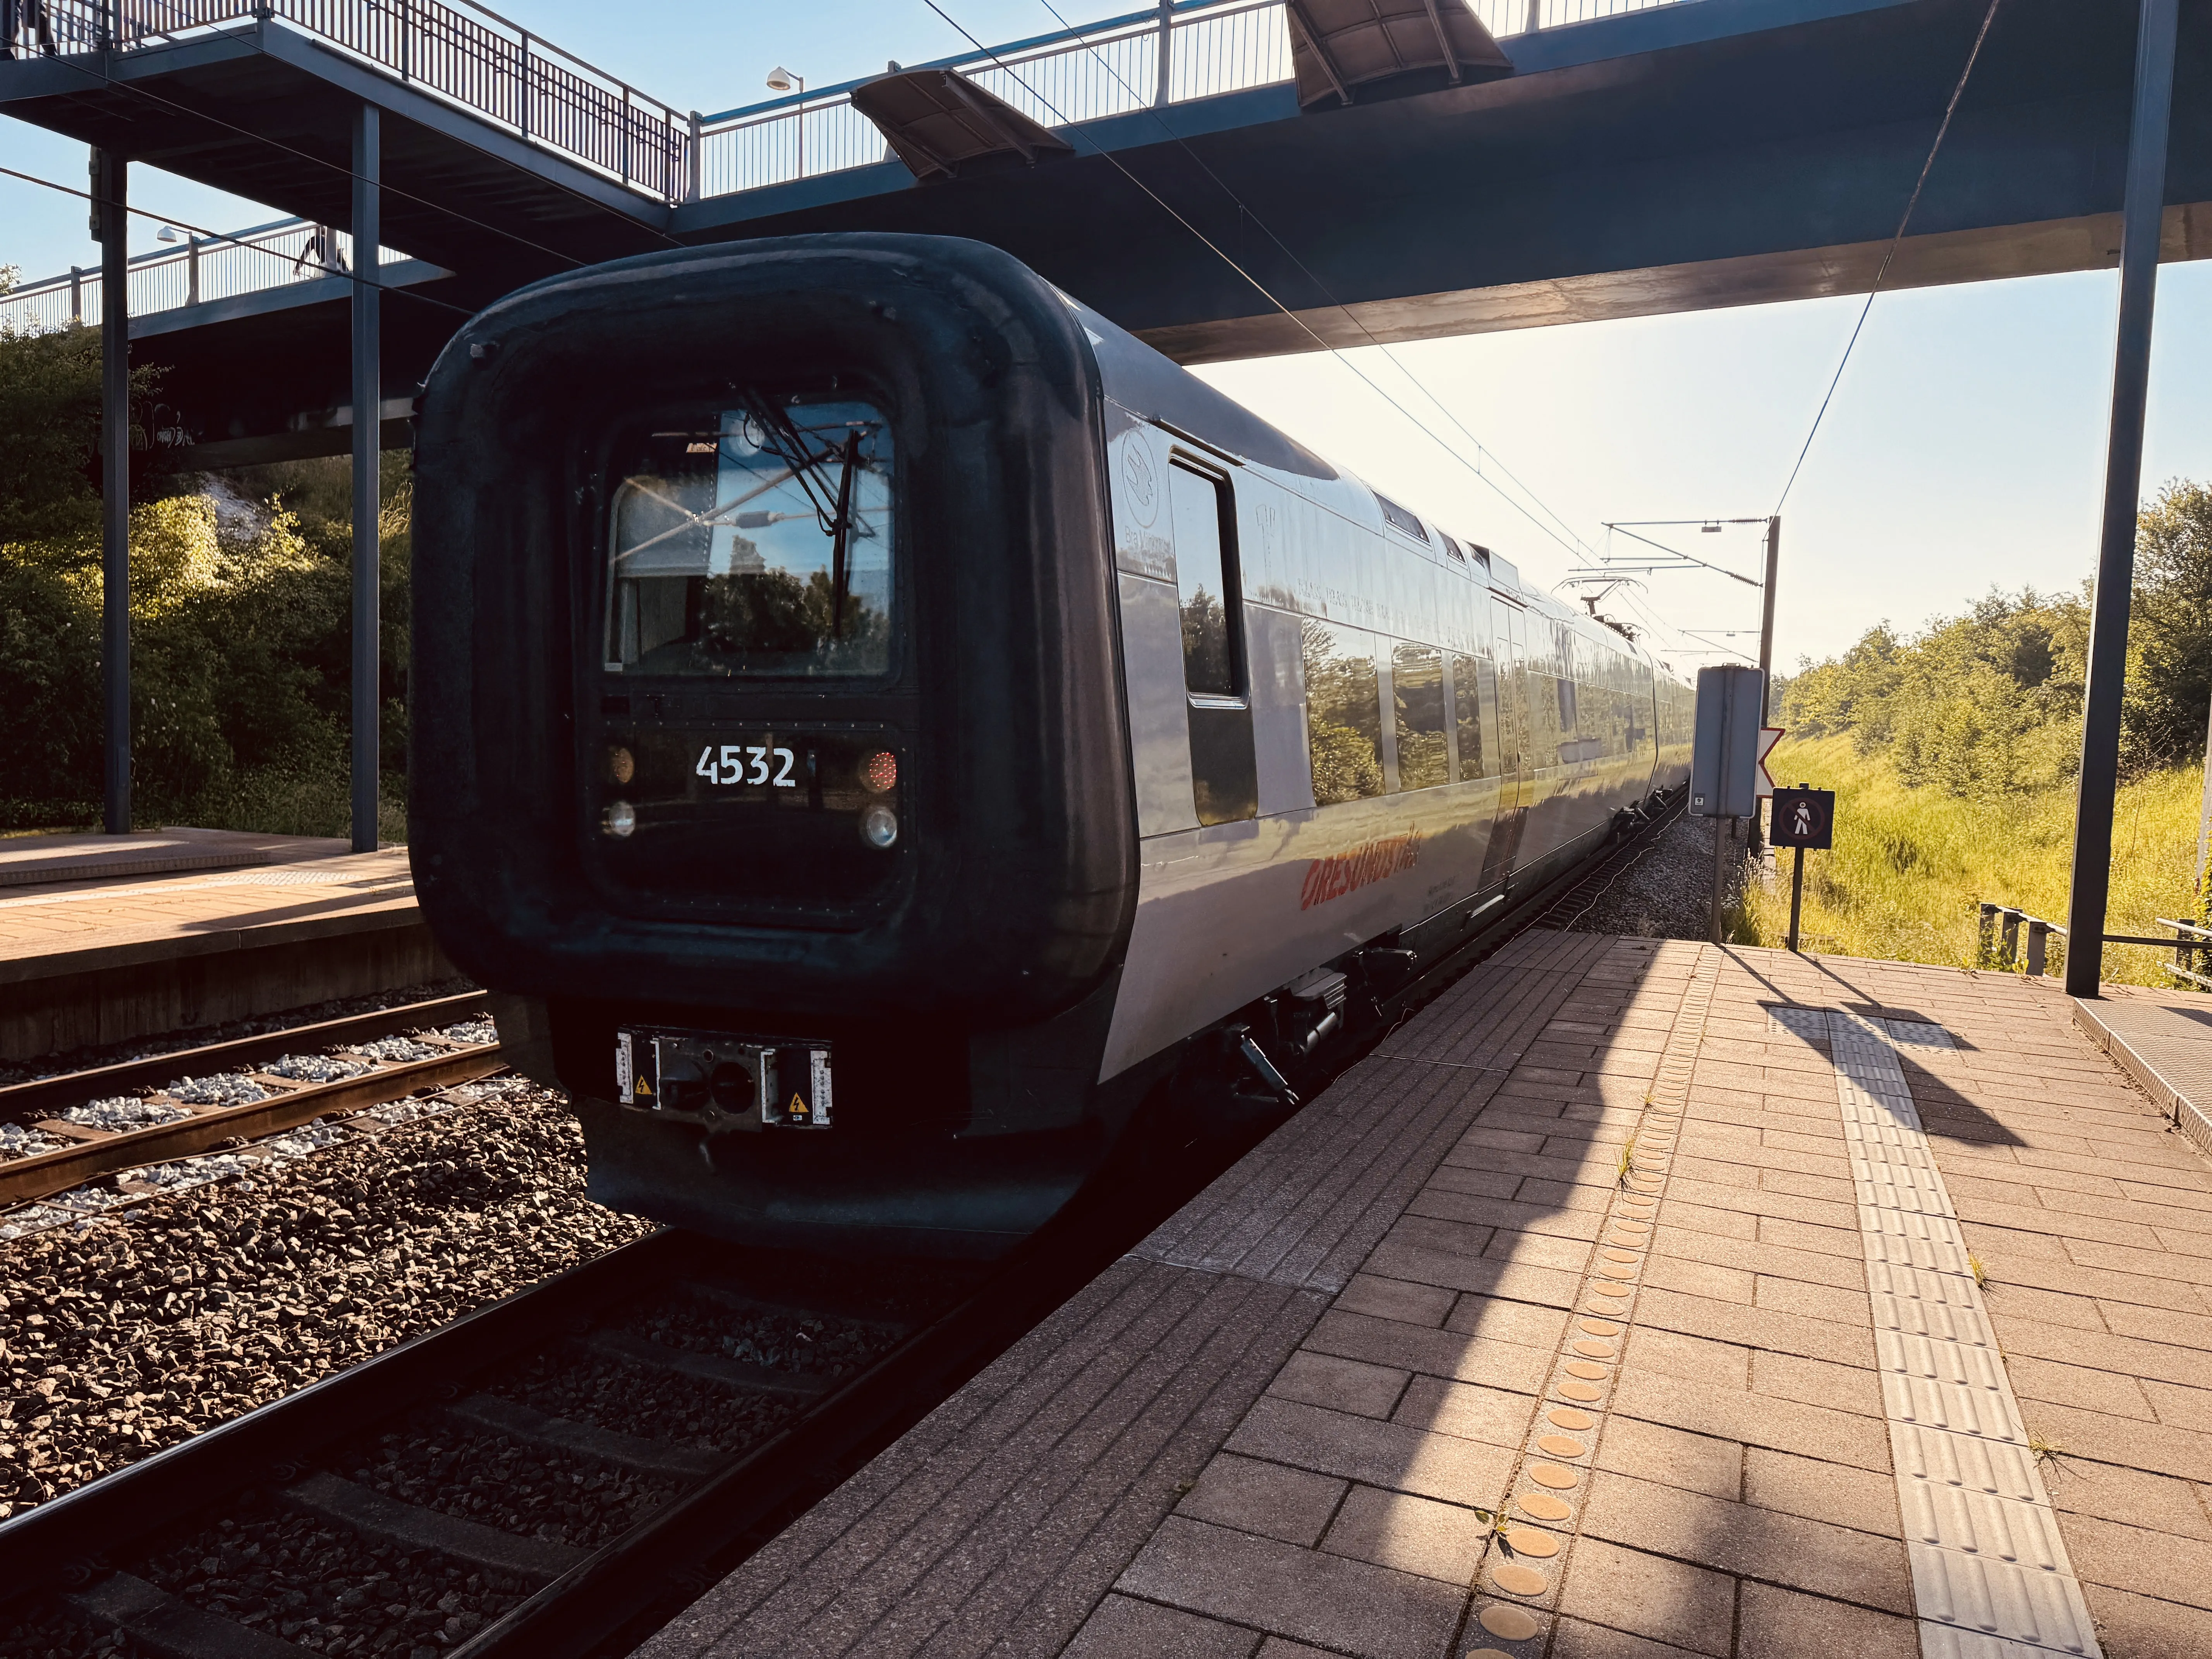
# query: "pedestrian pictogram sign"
1805 817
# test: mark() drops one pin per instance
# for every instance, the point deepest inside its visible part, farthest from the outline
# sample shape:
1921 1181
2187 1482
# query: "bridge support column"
367 455
110 198
2144 208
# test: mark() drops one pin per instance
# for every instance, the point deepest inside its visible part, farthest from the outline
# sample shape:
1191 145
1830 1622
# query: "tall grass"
1911 866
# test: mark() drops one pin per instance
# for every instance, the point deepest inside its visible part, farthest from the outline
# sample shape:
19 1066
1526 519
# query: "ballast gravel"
328 1590
123 1112
316 1069
229 1090
531 1490
645 1401
119 1337
1667 893
806 1345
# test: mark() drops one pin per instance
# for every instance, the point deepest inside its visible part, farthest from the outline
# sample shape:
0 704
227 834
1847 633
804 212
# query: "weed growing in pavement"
1495 1523
2047 1452
1627 1163
1974 1267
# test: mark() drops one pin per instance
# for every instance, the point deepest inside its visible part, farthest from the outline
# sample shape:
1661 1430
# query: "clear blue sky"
1964 448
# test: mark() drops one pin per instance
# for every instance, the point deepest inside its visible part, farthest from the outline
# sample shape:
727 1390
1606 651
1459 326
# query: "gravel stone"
34 1629
525 1490
393 1048
123 1112
316 1069
20 1140
79 1060
806 1345
1668 892
472 1030
328 1589
684 1410
119 1338
196 1171
230 1088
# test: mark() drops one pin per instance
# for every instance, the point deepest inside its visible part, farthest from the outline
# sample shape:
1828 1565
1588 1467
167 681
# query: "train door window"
1344 711
1474 713
1225 774
1210 654
1416 690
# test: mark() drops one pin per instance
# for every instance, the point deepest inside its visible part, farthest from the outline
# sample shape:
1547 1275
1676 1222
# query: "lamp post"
781 79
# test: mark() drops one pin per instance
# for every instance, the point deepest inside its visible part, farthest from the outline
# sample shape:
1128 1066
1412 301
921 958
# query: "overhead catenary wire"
1350 315
1257 285
1890 254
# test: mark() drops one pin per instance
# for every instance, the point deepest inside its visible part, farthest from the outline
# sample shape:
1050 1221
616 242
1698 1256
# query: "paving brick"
1818 1383
1649 1595
1763 1258
1736 1538
1699 1279
1389 1454
1438 1353
1122 1629
2105 1551
1503 1321
1652 1451
2135 1626
1291 1505
1393 1299
1484 1211
1345 1385
1755 1419
1425 1265
1579 1639
1412 1534
1775 1623
2181 1407
1757 1328
1470 1411
1700 1359
1353 1607
1820 1490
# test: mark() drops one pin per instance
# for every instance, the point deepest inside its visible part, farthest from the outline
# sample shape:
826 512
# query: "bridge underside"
1720 153
1707 154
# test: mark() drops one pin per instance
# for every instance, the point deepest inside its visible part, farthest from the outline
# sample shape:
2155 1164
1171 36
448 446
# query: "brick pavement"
1547 1331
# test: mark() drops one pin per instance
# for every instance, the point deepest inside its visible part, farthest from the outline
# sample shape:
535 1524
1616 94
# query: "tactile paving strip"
1524 1565
1989 1571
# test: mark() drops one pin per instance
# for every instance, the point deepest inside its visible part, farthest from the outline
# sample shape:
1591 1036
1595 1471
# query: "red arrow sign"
1768 737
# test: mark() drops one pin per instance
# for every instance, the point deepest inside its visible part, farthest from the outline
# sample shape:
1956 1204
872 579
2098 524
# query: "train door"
1509 630
1225 778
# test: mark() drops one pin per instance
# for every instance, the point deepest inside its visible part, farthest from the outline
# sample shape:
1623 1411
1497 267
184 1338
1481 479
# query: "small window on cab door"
1206 584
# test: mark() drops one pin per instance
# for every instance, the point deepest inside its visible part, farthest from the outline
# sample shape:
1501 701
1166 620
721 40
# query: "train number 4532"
748 763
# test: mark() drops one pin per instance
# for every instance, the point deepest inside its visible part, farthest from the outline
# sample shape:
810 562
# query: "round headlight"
879 826
621 817
880 772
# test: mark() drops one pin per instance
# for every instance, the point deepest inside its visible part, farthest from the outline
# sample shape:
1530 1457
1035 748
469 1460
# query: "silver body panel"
1228 913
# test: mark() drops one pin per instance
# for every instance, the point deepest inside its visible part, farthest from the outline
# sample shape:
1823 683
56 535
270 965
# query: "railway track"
701 1394
63 1131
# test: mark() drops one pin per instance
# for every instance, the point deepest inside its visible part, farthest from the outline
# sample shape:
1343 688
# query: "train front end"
768 758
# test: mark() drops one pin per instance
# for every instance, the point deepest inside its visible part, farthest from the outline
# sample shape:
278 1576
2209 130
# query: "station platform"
1634 1299
105 938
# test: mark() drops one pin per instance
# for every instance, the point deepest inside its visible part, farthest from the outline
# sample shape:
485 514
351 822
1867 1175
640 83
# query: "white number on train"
729 766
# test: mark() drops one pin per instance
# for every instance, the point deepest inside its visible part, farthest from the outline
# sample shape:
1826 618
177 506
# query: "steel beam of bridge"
1707 153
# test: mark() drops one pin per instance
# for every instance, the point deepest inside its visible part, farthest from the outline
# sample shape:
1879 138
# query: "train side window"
1417 687
1205 584
1344 711
1474 694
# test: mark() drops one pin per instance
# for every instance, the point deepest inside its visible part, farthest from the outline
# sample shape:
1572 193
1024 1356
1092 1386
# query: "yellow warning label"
798 1107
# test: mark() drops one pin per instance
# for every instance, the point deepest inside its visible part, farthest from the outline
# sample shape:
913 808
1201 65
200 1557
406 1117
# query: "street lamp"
781 79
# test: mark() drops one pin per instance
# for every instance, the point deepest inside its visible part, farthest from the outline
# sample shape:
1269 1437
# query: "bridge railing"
202 268
461 52
1198 49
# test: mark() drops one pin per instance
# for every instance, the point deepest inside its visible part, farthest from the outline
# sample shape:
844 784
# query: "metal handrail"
202 269
460 50
1177 53
1999 943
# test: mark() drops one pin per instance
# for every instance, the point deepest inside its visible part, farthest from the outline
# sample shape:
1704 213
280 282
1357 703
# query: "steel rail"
231 1054
44 1173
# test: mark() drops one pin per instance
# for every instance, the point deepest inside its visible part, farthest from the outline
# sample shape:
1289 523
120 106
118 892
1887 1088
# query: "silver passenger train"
883 732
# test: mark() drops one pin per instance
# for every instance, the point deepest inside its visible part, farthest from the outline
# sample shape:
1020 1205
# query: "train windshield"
754 541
